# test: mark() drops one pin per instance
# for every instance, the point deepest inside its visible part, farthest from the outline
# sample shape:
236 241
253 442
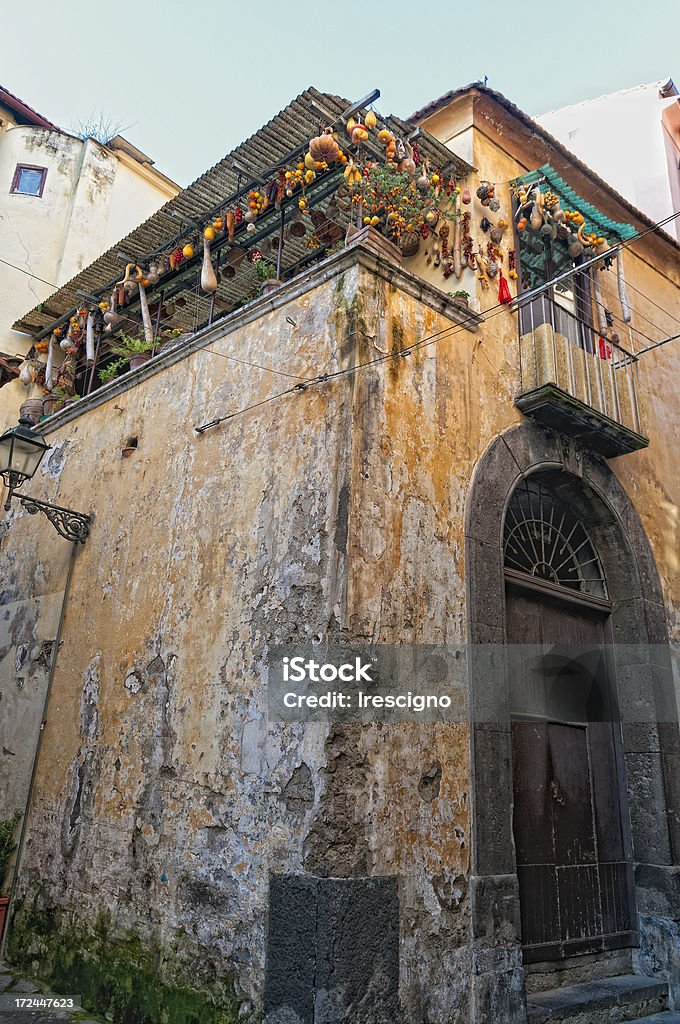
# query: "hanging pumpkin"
324 148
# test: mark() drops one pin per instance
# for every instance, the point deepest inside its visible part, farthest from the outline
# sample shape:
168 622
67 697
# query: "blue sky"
189 81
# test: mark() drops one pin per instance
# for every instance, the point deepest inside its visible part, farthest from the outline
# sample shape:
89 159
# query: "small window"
29 181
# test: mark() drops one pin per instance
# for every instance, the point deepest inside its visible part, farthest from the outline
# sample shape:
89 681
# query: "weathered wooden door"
569 818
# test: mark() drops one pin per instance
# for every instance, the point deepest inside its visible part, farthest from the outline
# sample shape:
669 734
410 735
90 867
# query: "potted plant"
266 274
57 398
133 350
7 847
461 298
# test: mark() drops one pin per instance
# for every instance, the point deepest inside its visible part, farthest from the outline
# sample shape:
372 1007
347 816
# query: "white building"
631 139
63 201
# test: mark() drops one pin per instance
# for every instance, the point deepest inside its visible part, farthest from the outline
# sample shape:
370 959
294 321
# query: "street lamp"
21 452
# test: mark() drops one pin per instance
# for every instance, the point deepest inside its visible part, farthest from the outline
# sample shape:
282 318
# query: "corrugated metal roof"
260 154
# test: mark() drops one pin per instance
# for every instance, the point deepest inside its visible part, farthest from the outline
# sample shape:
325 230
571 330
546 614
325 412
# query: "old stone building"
354 459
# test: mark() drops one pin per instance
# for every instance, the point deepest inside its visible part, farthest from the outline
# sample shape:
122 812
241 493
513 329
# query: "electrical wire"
22 270
424 342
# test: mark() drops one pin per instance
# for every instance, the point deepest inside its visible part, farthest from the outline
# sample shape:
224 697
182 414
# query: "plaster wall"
164 796
92 198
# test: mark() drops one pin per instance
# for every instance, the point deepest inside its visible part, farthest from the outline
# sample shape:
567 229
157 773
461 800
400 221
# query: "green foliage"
131 981
394 199
127 345
264 270
111 371
7 844
462 294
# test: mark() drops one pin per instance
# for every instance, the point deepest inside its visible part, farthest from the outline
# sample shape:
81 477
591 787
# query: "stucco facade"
173 824
92 196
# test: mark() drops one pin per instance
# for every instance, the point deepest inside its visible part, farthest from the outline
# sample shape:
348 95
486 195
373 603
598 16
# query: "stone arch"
644 681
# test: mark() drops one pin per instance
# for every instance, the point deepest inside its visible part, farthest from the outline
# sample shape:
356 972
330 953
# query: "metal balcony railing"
559 349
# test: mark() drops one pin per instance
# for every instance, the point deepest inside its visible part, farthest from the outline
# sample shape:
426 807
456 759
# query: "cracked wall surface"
165 798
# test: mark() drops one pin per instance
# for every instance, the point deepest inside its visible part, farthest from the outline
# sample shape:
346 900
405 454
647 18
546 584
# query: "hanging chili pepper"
504 295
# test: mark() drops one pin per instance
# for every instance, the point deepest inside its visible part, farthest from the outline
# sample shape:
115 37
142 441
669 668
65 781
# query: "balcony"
571 382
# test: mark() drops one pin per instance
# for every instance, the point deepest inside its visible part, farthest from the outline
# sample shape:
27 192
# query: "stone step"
627 997
669 1017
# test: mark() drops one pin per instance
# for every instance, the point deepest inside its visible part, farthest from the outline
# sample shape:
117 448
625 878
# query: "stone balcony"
576 384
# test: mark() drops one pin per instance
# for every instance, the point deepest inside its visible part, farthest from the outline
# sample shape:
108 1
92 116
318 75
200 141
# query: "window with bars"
546 539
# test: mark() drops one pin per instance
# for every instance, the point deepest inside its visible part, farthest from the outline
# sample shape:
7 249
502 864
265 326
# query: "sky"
188 81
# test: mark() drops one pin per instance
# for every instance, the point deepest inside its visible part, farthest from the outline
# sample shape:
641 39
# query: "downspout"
34 769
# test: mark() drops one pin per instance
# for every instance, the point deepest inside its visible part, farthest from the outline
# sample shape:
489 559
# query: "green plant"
391 201
127 345
7 844
461 294
111 371
264 270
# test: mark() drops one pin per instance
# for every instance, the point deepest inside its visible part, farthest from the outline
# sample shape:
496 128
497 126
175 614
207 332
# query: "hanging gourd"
146 316
481 266
324 148
89 338
466 196
370 120
49 368
153 274
358 134
111 317
536 219
208 275
423 181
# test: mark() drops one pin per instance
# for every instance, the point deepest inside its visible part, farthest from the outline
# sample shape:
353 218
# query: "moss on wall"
120 975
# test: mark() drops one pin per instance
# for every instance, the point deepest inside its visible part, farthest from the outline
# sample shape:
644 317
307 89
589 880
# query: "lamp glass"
21 452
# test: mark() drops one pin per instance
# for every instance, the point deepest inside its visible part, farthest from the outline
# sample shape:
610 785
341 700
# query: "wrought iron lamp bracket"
73 526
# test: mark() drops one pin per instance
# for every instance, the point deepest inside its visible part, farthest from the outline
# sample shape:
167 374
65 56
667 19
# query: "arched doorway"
570 816
649 748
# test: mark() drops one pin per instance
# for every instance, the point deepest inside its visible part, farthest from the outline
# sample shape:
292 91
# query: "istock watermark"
485 683
382 682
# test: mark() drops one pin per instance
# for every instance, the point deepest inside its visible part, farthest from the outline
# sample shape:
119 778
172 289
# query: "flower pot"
31 409
48 404
460 300
4 904
270 285
139 359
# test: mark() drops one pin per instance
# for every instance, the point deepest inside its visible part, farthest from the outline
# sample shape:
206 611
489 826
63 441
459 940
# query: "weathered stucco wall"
164 797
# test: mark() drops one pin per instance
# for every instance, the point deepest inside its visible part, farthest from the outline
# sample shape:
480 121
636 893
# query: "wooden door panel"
571 795
533 841
572 848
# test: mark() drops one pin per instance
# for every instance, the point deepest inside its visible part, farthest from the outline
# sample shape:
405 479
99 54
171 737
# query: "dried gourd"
208 275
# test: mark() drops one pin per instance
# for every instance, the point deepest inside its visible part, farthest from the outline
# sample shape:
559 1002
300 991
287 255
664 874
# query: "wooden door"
569 818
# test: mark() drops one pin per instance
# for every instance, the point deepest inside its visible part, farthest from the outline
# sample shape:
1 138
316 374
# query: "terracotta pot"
139 360
270 285
31 409
4 903
48 404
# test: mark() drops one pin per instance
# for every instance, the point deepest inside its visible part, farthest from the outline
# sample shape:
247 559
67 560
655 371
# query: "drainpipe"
24 823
